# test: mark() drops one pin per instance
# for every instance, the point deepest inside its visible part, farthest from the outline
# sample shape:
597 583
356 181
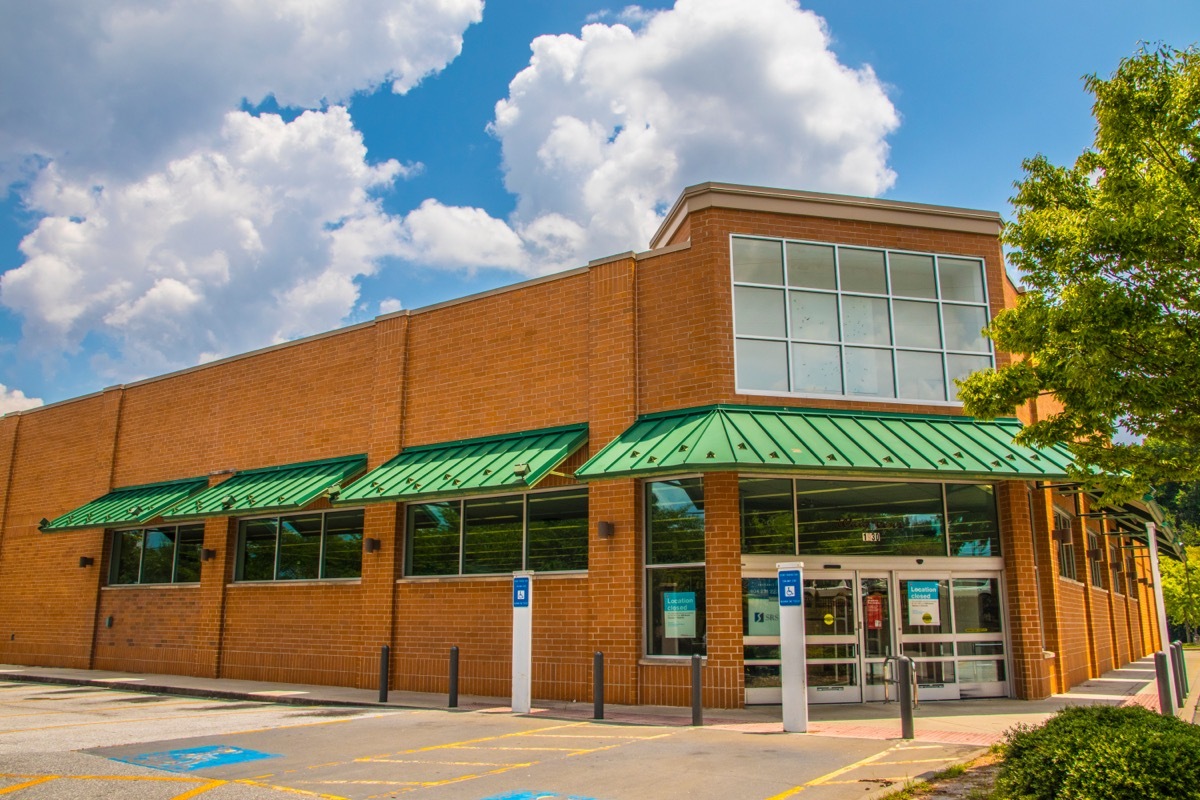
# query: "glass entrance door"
877 634
927 634
831 627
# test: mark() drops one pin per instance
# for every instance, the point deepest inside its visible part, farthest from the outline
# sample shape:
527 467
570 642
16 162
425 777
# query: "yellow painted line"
464 742
545 749
199 790
795 790
19 786
289 789
922 761
461 778
441 763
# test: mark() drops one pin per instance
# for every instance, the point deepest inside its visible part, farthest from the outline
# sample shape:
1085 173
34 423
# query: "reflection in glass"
876 617
762 365
961 279
158 556
676 529
258 549
980 671
829 607
343 544
128 556
558 531
492 535
964 328
920 375
759 312
757 261
188 542
974 530
934 672
832 675
976 605
869 518
917 324
959 367
912 275
299 548
862 270
811 266
760 606
814 316
433 539
869 372
865 320
767 522
763 676
817 368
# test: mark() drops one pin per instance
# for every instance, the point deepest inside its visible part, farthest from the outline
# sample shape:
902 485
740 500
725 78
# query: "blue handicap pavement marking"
523 794
218 755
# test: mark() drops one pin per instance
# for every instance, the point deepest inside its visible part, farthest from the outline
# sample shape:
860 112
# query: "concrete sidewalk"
977 722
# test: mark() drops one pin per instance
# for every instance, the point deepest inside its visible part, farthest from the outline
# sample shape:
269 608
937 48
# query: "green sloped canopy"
793 439
514 461
131 505
285 488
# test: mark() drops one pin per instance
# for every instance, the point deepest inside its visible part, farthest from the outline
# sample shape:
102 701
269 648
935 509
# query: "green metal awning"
285 488
792 439
514 461
131 505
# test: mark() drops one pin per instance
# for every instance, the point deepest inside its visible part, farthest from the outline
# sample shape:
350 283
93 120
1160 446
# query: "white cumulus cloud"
254 240
120 86
15 400
603 129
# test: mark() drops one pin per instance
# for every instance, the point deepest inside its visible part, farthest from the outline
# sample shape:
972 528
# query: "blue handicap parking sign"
789 587
521 592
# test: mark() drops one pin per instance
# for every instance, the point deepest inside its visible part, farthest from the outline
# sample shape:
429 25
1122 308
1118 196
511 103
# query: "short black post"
697 710
1177 667
454 677
384 661
1166 702
904 693
598 685
1183 676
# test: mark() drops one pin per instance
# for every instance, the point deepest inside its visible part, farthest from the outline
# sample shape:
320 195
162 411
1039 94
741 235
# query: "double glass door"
857 620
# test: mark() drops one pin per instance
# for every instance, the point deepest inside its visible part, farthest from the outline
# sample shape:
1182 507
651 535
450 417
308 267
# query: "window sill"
120 587
573 574
667 661
310 582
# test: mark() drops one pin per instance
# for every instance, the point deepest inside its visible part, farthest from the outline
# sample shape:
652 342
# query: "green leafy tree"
1181 590
1109 250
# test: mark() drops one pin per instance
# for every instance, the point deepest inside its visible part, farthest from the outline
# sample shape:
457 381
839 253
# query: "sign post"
1164 634
794 667
522 642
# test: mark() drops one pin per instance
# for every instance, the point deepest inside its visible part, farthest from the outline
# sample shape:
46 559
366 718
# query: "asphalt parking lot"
88 742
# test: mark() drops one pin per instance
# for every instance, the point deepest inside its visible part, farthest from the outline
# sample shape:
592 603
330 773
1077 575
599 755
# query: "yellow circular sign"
927 619
829 619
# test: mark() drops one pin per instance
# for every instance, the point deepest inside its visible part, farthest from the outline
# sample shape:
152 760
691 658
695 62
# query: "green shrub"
1102 753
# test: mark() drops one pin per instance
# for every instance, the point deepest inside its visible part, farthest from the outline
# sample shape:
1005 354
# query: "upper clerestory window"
832 320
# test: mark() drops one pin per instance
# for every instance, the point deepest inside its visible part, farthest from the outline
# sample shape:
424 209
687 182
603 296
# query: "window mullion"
462 535
278 536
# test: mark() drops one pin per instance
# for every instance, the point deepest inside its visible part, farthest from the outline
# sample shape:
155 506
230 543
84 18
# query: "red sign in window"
874 612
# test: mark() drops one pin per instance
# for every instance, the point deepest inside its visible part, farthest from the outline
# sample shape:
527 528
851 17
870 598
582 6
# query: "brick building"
650 434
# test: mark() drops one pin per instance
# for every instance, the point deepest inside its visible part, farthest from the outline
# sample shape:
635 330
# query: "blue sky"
197 182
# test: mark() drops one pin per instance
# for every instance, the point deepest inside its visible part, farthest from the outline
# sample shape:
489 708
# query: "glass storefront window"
768 525
974 529
869 518
492 535
976 605
760 606
925 606
675 567
157 555
300 547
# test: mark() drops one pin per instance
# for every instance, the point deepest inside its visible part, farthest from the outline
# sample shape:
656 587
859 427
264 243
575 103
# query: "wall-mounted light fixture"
1062 535
43 523
228 502
372 545
605 530
207 554
108 621
86 561
520 470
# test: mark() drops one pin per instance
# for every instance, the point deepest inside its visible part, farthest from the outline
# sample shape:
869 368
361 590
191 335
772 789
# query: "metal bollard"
697 710
1166 702
1176 652
453 677
598 685
384 662
904 692
1182 675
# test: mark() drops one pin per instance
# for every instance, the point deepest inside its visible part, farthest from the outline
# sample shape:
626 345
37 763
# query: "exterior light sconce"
1094 553
43 523
1062 535
605 530
520 470
372 545
108 621
86 561
207 555
228 502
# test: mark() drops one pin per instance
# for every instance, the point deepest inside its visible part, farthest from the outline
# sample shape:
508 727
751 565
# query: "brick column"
723 673
1030 672
616 567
